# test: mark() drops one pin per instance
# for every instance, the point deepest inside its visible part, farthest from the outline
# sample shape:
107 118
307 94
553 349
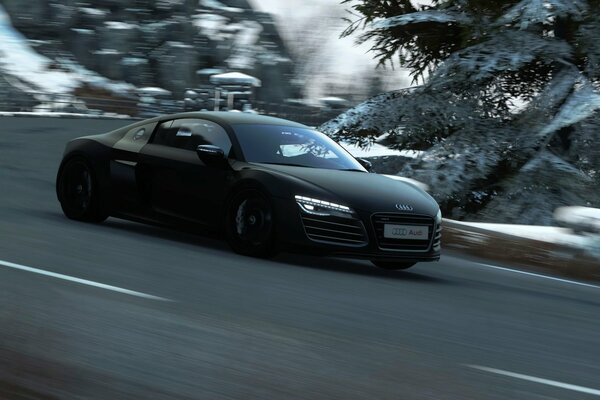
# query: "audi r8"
266 184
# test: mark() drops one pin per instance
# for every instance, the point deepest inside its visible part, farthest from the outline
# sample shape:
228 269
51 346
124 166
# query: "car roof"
226 117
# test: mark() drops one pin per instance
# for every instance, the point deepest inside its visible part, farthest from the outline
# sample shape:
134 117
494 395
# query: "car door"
176 183
123 163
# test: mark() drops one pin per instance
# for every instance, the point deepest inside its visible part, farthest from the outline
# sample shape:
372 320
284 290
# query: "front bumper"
298 235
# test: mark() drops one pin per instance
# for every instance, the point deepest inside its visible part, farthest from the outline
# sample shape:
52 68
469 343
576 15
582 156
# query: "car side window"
163 132
189 133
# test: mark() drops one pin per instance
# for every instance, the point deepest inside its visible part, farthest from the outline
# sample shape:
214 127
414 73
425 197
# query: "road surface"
126 311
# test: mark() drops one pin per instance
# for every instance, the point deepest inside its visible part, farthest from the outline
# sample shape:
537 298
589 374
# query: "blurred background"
499 119
142 58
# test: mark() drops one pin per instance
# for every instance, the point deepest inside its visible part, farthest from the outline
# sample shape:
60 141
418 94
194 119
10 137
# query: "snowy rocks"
91 18
83 43
176 65
26 14
13 99
137 71
156 33
176 37
108 63
64 14
119 36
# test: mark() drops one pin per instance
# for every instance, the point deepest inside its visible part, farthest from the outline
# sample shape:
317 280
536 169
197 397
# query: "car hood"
362 191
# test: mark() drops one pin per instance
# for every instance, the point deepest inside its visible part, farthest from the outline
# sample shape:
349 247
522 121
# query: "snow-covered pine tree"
508 100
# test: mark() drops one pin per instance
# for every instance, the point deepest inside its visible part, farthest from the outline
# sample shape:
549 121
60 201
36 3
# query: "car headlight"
438 217
321 207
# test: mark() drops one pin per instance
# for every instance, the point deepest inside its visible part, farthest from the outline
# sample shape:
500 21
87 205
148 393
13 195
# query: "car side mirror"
365 163
211 155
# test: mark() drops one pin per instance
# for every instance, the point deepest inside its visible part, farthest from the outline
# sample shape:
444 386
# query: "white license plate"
409 232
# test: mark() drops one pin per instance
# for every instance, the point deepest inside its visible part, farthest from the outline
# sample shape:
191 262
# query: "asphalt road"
224 326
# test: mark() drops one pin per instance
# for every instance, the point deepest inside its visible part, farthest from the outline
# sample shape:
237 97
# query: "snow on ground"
39 73
19 60
550 234
154 91
235 78
581 218
93 79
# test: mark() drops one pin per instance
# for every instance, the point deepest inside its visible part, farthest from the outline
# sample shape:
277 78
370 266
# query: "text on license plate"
405 232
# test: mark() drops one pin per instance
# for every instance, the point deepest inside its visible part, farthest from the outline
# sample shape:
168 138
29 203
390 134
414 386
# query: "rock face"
160 42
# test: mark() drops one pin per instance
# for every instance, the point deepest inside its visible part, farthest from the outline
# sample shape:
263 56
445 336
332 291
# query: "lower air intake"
338 230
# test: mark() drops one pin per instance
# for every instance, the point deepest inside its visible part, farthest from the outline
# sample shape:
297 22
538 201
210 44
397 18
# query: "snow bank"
588 243
20 61
41 74
549 234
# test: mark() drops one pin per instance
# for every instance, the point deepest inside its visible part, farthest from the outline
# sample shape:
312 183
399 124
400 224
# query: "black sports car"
266 183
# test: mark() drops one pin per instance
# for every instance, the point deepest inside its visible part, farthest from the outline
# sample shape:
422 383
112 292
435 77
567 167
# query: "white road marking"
81 281
543 381
552 278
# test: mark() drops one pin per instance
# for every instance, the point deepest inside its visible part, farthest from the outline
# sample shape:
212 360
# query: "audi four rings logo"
404 207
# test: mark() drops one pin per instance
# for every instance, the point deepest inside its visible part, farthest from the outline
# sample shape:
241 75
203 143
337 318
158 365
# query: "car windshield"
286 145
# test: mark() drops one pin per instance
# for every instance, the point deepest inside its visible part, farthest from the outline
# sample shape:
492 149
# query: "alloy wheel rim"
79 187
252 222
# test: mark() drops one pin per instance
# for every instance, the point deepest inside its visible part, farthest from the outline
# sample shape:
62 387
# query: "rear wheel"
249 224
78 192
392 266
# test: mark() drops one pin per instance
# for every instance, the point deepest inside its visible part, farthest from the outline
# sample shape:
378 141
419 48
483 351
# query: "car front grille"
338 230
379 221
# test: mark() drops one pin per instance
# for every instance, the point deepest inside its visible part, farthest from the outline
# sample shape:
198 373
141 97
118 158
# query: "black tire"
393 265
78 192
249 224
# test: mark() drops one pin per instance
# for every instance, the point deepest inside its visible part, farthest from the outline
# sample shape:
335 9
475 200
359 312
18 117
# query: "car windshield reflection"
293 146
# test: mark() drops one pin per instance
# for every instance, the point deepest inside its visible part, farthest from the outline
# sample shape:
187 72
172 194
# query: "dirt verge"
527 254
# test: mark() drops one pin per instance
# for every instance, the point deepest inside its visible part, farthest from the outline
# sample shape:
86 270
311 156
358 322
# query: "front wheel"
249 224
392 265
78 192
